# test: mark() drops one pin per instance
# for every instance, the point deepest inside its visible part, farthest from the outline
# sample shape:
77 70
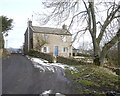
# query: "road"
20 77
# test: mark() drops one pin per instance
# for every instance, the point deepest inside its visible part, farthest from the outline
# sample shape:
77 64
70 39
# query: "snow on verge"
43 65
47 92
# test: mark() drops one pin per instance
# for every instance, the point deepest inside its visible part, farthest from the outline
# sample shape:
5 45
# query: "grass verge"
88 79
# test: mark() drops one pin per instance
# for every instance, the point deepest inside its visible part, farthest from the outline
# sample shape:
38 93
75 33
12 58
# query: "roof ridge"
48 27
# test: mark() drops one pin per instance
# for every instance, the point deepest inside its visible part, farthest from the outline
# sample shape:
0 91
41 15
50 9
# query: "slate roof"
48 30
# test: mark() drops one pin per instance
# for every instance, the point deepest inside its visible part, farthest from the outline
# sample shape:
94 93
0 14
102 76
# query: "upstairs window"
45 37
64 38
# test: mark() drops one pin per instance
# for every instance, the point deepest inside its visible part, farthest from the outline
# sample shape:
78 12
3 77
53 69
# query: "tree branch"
91 4
116 17
108 45
89 18
74 18
99 23
106 23
76 34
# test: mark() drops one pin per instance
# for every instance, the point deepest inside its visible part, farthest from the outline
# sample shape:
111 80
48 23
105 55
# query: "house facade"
54 41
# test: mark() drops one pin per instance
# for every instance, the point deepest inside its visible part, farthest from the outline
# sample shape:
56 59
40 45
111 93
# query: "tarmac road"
20 77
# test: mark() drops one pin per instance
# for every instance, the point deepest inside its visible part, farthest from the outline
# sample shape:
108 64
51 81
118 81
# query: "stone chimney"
64 27
29 23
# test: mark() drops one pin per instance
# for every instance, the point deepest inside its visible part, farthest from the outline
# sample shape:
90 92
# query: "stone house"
54 41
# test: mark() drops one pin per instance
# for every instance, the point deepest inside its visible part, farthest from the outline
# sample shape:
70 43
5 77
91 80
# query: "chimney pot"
64 27
29 23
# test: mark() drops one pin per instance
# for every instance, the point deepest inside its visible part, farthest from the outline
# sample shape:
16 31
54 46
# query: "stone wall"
55 40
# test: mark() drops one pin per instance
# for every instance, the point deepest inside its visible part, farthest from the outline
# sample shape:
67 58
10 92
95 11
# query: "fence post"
54 59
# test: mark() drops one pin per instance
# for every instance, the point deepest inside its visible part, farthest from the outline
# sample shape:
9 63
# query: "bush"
37 54
4 53
112 57
84 55
69 61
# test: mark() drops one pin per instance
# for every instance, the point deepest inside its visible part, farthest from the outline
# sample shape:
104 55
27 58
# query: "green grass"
93 78
88 83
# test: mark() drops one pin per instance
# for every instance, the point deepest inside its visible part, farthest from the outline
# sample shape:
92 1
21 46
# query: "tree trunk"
96 59
93 30
102 58
96 51
119 50
1 41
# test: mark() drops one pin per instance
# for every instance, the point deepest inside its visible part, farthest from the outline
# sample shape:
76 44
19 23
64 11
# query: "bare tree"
103 30
40 42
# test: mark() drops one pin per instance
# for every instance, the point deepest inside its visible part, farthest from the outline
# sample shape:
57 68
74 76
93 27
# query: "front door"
56 50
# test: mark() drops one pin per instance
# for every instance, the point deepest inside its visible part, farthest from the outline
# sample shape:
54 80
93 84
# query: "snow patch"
43 65
28 57
38 60
59 94
47 92
79 57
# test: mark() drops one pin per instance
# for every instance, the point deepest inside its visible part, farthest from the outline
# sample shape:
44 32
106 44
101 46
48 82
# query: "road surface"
20 77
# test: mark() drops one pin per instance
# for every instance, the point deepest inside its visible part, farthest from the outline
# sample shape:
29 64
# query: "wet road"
21 77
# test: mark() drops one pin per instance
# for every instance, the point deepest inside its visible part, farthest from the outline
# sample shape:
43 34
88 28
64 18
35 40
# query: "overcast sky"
19 11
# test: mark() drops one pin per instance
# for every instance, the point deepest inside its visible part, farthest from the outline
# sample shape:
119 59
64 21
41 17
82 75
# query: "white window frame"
45 37
65 49
42 49
47 49
64 38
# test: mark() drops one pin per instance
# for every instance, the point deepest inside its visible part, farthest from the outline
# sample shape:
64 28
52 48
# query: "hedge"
59 59
69 61
84 55
37 54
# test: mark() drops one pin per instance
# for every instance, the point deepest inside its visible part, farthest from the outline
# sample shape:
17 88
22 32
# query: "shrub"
84 55
69 61
37 54
4 53
112 57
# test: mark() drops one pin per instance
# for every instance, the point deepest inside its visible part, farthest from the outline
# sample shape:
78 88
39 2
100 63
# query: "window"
65 49
64 38
45 37
45 49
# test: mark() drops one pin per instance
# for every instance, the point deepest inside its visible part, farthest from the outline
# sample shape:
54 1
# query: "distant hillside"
12 49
